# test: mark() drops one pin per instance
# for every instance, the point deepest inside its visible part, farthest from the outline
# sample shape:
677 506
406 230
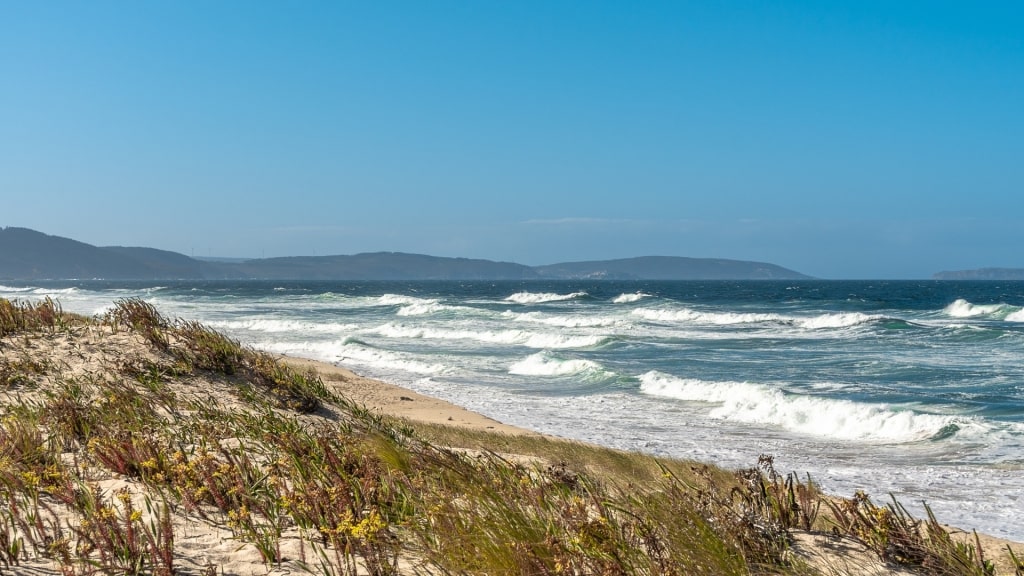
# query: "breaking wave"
543 364
628 298
510 337
687 315
830 418
573 321
961 308
542 297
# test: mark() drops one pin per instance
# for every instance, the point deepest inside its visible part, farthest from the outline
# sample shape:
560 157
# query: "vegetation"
104 468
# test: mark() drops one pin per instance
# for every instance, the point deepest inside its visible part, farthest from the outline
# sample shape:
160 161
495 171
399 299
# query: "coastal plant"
68 412
338 490
21 372
142 317
1018 563
18 316
896 536
113 536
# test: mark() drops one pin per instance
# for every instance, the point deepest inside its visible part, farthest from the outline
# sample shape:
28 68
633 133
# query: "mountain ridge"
27 254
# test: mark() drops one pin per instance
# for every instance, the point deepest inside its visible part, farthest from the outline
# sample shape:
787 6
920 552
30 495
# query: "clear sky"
844 140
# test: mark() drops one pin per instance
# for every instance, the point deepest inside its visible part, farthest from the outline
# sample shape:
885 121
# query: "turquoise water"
913 388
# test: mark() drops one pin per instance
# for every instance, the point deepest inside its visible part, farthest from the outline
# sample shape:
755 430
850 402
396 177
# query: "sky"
855 139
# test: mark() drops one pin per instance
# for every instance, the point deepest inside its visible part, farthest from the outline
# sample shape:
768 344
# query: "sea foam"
542 297
628 298
543 364
961 308
821 321
510 337
830 418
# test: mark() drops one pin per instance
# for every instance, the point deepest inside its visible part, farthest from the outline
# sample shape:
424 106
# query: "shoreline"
396 401
399 402
138 364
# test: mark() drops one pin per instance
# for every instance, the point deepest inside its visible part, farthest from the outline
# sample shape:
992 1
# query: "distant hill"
29 255
669 268
982 274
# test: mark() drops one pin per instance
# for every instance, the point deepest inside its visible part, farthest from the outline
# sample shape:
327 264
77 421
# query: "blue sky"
844 140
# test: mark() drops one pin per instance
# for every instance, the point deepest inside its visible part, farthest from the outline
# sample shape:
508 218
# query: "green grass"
367 494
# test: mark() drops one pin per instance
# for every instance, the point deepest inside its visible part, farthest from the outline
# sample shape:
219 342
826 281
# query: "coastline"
395 401
121 361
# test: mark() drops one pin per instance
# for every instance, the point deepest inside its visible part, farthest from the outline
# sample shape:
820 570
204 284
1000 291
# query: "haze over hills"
982 274
30 255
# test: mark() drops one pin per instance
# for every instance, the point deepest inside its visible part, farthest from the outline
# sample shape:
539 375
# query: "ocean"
909 388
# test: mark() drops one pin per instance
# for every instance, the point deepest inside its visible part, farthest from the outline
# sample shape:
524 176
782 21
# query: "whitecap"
402 300
17 290
961 308
630 297
562 321
511 337
831 418
542 364
542 297
421 308
696 317
837 320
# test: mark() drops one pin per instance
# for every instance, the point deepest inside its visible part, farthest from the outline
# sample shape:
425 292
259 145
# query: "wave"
355 352
628 298
543 297
543 364
822 321
573 321
961 308
17 290
837 320
814 416
422 308
279 325
402 300
509 337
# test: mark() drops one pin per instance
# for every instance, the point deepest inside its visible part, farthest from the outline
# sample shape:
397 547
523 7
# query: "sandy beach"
47 368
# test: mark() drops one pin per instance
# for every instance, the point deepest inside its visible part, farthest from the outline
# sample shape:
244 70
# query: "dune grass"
361 493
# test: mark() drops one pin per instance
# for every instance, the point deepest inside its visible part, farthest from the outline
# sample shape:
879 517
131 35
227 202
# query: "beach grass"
123 437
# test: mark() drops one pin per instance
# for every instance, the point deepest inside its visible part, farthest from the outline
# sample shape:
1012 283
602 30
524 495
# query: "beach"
902 388
439 420
43 365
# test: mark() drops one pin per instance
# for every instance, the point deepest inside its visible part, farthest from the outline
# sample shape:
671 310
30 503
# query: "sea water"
914 389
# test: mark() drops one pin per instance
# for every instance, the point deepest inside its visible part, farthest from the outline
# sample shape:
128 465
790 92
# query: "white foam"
570 321
1017 316
961 308
16 290
509 337
693 316
54 291
276 325
627 298
542 297
688 315
356 354
542 364
837 320
421 309
825 417
402 300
